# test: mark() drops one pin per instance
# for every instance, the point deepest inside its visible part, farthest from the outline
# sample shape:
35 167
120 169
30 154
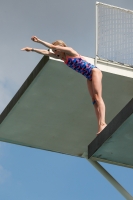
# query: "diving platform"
53 110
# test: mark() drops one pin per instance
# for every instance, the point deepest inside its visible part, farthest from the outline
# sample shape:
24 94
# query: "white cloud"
4 175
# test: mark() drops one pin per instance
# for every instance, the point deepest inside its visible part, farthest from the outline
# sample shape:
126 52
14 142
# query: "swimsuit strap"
78 56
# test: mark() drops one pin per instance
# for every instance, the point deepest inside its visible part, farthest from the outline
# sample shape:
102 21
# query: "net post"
95 60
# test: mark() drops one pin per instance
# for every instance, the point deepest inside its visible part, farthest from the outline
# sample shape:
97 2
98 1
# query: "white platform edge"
109 67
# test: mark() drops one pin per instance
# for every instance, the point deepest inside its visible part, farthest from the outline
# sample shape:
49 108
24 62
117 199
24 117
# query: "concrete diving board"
53 110
115 143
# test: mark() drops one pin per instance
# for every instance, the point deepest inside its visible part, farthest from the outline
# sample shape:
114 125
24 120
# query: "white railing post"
95 61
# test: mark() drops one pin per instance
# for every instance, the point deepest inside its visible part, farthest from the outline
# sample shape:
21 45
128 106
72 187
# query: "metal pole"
110 178
95 61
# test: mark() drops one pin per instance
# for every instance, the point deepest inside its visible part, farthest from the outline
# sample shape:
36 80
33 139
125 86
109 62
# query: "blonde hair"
59 43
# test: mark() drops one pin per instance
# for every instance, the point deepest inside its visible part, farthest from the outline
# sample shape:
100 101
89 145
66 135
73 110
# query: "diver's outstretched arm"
67 50
46 44
40 51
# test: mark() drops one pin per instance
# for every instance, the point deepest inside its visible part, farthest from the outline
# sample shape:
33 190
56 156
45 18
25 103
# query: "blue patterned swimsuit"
80 65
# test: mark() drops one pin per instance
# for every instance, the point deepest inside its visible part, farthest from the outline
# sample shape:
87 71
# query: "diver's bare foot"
101 127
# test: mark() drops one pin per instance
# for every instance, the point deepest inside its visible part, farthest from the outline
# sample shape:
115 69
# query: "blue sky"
32 174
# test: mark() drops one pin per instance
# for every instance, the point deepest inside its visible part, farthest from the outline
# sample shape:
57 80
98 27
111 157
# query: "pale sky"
31 174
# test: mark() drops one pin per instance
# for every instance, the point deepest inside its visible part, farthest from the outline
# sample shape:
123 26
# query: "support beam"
109 178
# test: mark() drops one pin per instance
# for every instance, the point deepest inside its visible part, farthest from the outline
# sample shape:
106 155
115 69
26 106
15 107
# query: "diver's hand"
26 49
35 39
